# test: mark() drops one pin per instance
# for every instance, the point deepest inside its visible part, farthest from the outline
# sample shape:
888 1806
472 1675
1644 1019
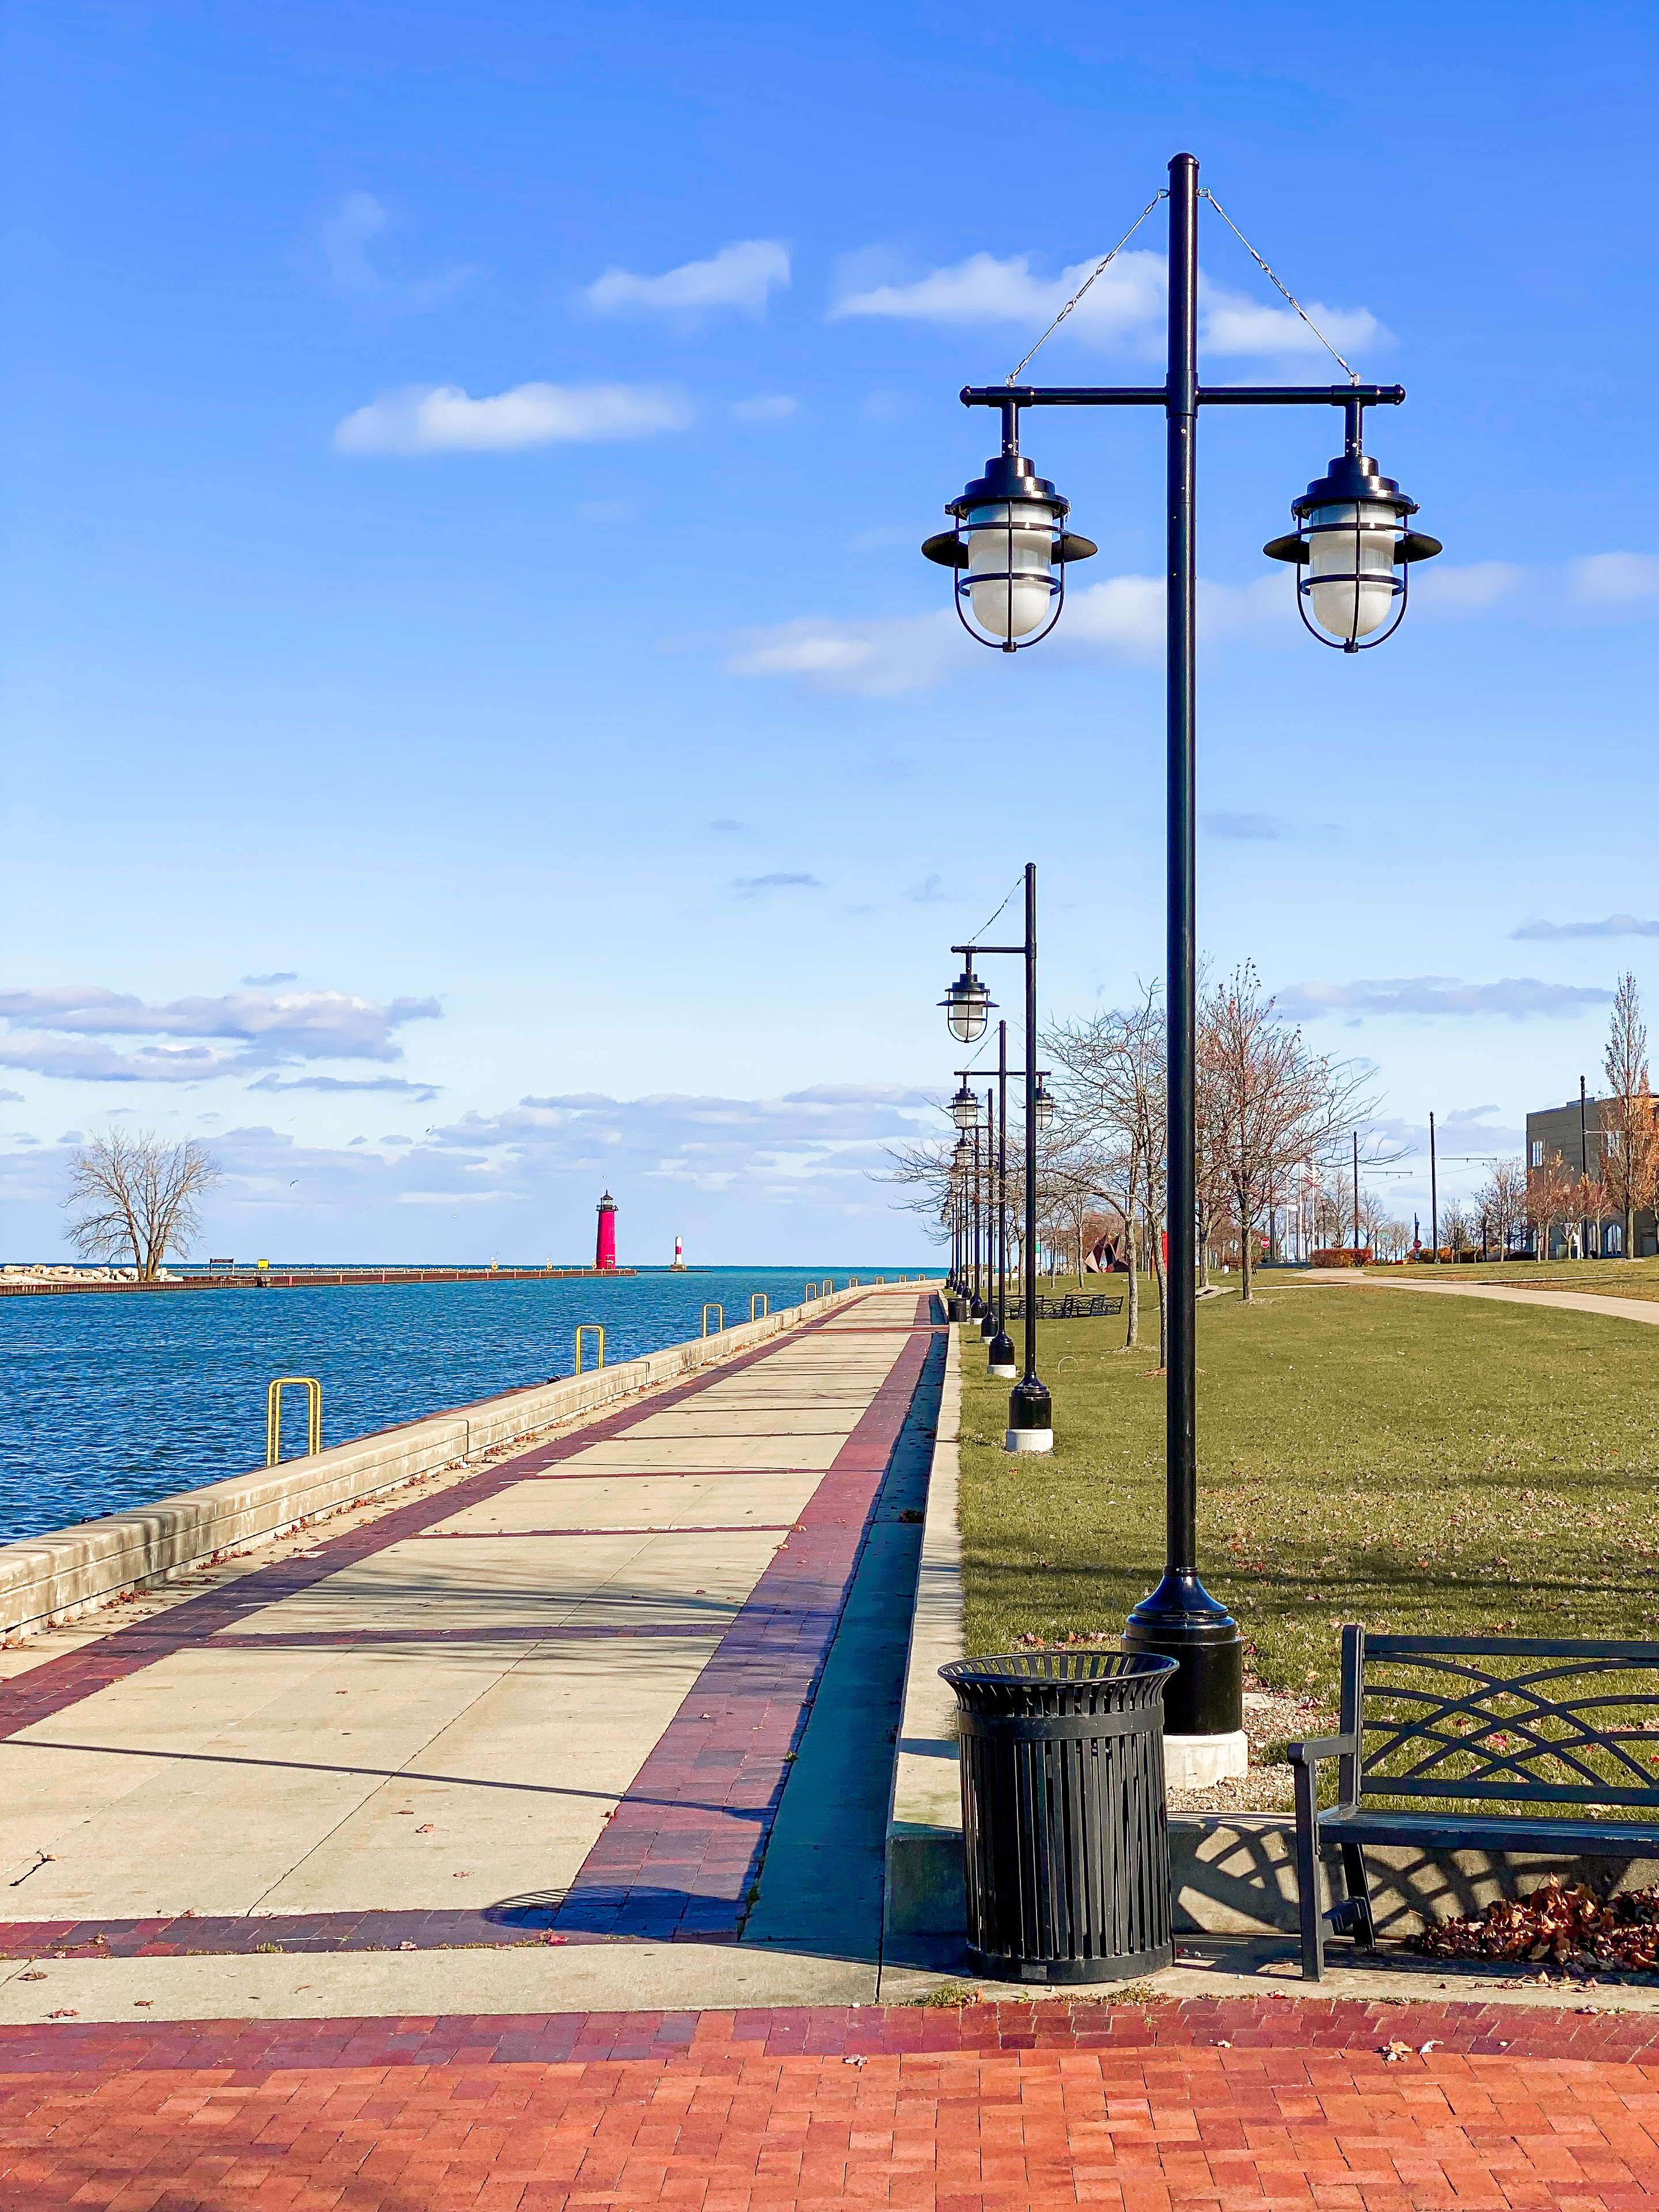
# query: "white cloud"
739 275
62 1030
357 218
1440 589
1616 924
11 1098
1124 305
419 1092
277 975
1518 996
440 418
907 652
765 407
1615 578
779 880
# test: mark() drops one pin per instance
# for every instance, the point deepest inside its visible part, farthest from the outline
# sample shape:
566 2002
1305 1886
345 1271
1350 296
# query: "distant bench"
1505 1722
1070 1307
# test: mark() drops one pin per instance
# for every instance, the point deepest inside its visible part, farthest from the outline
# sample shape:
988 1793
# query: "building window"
1613 1240
1538 1151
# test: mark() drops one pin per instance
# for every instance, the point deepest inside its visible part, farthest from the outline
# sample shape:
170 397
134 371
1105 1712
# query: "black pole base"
1181 1620
1030 1406
989 1326
1000 1352
976 1307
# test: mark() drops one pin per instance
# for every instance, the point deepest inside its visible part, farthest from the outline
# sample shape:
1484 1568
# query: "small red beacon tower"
604 1247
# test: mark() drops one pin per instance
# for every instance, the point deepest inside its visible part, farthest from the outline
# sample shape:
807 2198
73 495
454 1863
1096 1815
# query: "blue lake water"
107 1402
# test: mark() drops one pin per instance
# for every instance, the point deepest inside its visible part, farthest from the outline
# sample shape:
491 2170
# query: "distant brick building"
1558 1129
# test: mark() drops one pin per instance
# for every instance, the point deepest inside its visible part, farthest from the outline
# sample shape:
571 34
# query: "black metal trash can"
1065 1835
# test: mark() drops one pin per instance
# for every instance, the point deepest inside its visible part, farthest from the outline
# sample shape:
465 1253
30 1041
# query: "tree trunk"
1246 1222
1160 1276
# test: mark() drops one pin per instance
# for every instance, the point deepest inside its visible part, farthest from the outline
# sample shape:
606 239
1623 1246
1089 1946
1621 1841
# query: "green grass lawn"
1618 1279
1440 1465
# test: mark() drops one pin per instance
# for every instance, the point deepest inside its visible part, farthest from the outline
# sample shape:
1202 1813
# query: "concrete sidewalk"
584 1694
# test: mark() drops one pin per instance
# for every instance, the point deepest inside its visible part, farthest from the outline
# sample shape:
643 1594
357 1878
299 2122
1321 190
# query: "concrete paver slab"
679 1501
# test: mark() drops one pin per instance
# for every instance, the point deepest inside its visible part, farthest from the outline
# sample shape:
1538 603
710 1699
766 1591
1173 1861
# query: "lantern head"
966 1005
1352 549
1010 549
964 1108
1043 1103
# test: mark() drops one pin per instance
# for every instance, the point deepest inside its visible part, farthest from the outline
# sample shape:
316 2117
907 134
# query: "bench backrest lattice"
1070 1307
1502 1719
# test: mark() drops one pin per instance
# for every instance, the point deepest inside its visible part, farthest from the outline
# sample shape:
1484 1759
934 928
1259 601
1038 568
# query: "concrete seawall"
47 1579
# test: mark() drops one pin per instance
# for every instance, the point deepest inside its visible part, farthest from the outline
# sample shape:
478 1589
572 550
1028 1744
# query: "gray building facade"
1579 1142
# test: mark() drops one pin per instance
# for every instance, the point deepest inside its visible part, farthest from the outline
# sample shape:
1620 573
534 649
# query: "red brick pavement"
1217 2105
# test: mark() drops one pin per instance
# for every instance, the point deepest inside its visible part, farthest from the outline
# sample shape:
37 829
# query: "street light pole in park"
1351 552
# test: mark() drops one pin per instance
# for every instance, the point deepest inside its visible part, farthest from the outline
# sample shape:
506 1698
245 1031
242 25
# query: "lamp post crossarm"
1017 952
1157 395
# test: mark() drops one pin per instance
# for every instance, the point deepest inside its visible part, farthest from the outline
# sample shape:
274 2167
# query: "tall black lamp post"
967 1006
1351 552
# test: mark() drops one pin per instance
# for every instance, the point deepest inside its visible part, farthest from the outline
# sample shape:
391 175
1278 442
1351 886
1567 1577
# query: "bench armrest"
1323 1746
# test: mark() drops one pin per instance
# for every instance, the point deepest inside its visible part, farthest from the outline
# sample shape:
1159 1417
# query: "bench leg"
1358 1888
1307 1878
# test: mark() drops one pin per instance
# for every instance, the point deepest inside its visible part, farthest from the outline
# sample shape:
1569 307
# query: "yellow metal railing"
589 1329
809 1294
713 1307
313 1390
758 1298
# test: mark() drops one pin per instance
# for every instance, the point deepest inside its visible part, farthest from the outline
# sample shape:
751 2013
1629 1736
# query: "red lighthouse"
605 1246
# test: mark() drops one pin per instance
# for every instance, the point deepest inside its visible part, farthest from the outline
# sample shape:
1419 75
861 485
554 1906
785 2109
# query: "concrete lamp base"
1198 1762
1028 1440
1007 1373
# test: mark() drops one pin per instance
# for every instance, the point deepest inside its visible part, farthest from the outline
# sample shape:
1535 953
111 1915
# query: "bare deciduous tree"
1115 1087
137 1198
1271 1100
1630 1139
1502 1205
1550 1197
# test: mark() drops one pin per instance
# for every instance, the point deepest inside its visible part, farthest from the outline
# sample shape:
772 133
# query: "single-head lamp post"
1352 550
964 1108
966 1005
1000 1355
990 1322
1010 549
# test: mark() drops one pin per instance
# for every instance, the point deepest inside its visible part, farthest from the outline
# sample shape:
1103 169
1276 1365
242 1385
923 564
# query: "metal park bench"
1488 1740
1070 1307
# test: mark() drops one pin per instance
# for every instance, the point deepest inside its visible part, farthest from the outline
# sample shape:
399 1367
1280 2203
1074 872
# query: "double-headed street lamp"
1351 553
967 1006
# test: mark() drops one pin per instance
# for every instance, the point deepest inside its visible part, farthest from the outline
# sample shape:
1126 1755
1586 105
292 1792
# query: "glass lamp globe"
967 1005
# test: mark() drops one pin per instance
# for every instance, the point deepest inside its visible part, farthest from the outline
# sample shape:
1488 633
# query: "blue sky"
478 727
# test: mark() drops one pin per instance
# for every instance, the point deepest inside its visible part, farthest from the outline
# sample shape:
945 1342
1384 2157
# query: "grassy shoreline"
1429 1464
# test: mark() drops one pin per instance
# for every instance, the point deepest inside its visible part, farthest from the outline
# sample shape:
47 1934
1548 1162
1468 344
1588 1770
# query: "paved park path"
636 1683
1642 1309
519 1847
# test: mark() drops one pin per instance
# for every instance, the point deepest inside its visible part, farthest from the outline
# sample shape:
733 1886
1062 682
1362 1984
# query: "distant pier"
59 1281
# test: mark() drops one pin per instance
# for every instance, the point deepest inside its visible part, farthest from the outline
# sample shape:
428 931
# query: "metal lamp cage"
964 1108
1012 503
967 1006
1377 509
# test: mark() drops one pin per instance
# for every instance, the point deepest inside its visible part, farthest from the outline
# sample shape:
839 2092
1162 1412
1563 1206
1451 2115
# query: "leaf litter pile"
1556 1925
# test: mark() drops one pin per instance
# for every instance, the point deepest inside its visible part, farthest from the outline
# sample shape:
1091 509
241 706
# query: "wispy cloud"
1124 306
1442 589
277 975
11 1098
927 890
778 881
355 220
906 652
64 1031
727 826
765 407
440 418
1517 996
740 276
1615 578
1616 924
396 1084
